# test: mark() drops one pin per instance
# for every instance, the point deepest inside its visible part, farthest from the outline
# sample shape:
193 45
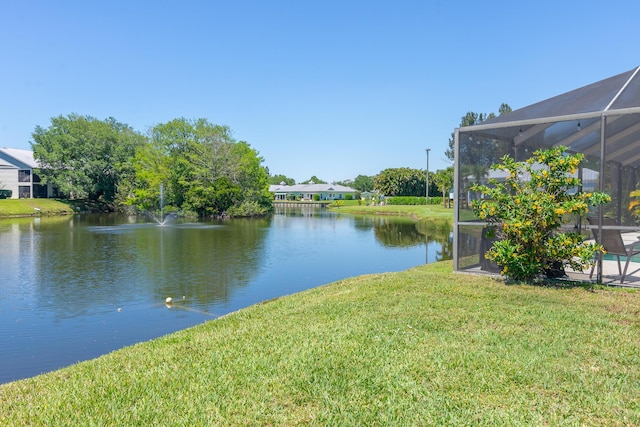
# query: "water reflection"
391 232
404 232
103 259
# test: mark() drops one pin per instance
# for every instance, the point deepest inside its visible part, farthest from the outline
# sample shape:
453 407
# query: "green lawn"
420 347
22 207
415 211
31 207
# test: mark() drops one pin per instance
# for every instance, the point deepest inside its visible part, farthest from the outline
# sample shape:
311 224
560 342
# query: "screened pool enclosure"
601 120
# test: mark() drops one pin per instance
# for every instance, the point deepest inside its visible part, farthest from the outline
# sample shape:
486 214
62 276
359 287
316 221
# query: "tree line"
413 182
199 165
391 182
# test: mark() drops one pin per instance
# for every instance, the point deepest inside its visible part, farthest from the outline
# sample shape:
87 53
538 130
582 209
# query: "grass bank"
35 207
420 347
428 217
415 211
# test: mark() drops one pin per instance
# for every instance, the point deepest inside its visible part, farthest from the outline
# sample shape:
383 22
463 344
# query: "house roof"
310 188
6 165
574 119
23 156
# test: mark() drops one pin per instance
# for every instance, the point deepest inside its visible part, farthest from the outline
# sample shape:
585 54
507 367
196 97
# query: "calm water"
73 288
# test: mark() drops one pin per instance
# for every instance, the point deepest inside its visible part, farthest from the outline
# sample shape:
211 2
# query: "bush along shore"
420 347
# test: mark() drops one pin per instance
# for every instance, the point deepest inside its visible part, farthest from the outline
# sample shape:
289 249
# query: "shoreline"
21 208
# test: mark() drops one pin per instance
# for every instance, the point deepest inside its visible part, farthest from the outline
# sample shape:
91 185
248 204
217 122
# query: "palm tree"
444 179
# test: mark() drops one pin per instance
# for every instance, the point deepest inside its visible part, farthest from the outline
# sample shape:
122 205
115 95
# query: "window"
39 191
24 192
24 176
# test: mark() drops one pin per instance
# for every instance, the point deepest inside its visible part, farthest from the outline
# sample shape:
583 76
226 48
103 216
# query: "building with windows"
307 191
17 175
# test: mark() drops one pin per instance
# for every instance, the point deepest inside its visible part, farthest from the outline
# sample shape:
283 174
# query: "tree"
444 179
247 171
434 190
152 170
315 180
203 170
471 119
363 183
278 179
504 109
527 209
85 157
401 182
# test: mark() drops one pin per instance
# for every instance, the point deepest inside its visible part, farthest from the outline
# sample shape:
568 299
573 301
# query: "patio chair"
612 242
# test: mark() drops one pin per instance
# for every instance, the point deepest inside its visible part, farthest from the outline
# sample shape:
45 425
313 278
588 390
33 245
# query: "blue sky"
329 88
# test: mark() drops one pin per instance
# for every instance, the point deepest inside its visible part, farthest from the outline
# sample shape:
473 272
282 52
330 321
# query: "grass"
418 212
430 218
32 207
421 347
36 207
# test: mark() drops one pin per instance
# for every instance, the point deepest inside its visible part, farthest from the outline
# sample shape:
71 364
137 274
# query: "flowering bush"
634 204
527 209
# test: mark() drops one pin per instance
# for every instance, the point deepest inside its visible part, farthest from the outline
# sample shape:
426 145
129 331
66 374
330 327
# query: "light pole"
427 191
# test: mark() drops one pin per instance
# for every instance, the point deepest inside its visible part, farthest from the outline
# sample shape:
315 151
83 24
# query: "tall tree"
470 119
152 169
401 182
444 179
85 157
202 167
504 109
363 183
249 173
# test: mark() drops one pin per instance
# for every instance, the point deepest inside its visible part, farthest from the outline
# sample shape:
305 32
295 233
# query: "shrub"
348 196
413 200
248 208
405 200
526 210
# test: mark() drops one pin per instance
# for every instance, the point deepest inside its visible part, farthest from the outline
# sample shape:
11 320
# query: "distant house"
17 175
307 191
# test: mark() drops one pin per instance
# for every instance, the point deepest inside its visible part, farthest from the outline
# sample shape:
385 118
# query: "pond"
74 288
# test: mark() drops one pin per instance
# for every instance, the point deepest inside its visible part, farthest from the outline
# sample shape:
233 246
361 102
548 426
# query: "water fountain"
161 204
161 219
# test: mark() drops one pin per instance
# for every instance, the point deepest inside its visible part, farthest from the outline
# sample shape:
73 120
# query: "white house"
16 175
307 191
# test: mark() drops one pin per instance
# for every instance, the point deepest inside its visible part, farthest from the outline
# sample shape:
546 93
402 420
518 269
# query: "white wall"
9 181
